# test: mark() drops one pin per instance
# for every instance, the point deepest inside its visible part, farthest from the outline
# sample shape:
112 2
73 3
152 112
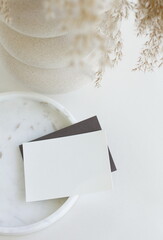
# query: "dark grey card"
89 125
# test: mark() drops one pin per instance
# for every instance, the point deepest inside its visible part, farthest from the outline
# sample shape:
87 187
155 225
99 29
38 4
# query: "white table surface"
130 108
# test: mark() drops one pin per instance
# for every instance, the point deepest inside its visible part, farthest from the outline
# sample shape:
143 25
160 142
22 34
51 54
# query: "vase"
44 56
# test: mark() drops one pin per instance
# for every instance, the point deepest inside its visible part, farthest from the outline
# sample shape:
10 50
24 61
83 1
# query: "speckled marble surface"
23 119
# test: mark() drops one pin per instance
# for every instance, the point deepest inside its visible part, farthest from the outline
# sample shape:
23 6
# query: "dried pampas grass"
149 21
110 29
73 14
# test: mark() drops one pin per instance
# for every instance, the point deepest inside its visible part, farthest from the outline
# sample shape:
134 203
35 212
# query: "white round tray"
23 117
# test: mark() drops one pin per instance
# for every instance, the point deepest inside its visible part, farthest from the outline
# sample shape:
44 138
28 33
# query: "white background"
130 108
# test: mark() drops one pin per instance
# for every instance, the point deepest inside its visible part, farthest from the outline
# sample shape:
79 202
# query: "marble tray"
26 116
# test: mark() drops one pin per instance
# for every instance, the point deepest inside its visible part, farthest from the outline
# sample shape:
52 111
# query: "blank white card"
66 166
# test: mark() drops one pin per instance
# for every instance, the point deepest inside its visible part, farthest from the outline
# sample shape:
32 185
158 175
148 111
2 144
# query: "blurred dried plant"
5 11
73 14
82 17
